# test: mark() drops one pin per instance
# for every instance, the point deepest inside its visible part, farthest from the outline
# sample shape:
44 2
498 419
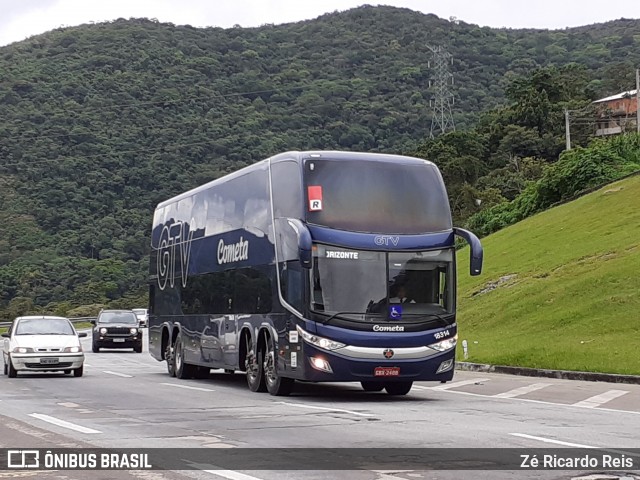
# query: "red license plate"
386 371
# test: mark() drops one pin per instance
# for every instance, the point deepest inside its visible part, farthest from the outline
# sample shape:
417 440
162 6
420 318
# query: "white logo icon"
315 205
23 459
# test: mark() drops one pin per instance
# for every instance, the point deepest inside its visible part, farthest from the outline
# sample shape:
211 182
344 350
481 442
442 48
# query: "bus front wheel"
372 386
398 388
276 385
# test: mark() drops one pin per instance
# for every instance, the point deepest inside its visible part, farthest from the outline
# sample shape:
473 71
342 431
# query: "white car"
143 316
42 344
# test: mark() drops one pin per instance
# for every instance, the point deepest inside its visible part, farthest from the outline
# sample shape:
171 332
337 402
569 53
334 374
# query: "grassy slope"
575 302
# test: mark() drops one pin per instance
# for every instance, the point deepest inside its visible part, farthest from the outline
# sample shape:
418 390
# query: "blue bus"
317 266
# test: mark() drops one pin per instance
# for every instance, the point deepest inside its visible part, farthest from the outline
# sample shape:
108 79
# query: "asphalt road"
127 400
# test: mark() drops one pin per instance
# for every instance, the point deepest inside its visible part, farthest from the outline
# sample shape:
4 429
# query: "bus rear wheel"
276 385
253 365
183 369
168 356
398 388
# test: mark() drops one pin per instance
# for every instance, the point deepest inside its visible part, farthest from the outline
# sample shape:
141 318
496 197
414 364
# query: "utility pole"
638 100
567 128
442 100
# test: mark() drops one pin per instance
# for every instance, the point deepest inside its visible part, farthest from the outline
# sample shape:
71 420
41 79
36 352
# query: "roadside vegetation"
560 289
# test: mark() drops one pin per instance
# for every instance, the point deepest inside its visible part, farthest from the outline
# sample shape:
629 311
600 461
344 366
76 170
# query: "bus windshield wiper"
338 314
425 314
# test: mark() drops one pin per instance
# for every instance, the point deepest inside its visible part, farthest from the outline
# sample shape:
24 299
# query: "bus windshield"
376 197
363 286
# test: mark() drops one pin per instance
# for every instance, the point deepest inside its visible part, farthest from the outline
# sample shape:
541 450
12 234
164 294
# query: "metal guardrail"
73 320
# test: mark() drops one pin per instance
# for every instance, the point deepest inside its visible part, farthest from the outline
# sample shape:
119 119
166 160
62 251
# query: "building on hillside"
617 113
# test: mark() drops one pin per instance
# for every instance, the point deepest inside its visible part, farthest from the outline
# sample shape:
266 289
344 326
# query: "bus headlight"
320 342
446 344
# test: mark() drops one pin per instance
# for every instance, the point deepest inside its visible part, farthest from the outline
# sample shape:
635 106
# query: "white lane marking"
461 383
328 409
63 423
68 404
231 474
549 440
389 474
516 392
188 387
541 402
124 375
598 400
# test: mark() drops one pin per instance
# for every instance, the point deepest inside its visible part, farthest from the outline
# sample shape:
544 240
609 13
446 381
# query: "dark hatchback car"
117 329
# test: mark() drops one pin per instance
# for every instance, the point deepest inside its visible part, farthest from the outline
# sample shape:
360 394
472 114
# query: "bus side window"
291 283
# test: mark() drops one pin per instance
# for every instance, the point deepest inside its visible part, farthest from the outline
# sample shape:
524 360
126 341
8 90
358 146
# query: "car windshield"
44 326
139 311
117 317
366 286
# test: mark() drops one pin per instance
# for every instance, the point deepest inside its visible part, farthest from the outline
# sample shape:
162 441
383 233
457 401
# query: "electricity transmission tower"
442 99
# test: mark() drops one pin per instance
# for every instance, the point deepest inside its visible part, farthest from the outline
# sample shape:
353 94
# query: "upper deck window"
376 196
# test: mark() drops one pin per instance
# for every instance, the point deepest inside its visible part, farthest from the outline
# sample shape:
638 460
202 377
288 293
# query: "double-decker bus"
318 266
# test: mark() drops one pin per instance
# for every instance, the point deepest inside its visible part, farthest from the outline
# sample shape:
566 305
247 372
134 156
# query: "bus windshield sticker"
334 254
395 312
315 198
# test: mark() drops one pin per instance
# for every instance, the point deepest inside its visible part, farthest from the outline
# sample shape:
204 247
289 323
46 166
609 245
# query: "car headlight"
72 349
133 331
22 350
446 344
103 331
320 342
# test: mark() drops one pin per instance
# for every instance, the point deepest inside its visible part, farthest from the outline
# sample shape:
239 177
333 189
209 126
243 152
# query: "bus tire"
398 388
276 385
183 369
255 372
168 356
372 386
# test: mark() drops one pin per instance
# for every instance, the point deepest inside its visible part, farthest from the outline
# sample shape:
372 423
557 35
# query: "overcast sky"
20 19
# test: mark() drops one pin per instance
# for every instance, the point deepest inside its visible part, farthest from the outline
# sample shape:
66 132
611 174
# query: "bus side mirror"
476 252
304 241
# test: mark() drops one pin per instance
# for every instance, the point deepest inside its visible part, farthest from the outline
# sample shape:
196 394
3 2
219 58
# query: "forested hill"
100 122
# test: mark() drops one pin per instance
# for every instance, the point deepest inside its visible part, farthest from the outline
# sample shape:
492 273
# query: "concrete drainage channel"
539 372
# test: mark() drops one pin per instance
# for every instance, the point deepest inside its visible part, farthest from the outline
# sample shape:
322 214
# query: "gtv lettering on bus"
178 234
234 252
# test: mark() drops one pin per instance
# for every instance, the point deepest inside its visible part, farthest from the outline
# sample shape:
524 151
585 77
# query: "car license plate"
118 340
386 372
49 361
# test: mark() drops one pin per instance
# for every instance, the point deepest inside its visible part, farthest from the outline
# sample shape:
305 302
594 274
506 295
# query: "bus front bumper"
319 365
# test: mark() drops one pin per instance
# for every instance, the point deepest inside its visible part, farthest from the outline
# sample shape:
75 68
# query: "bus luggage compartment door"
229 336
